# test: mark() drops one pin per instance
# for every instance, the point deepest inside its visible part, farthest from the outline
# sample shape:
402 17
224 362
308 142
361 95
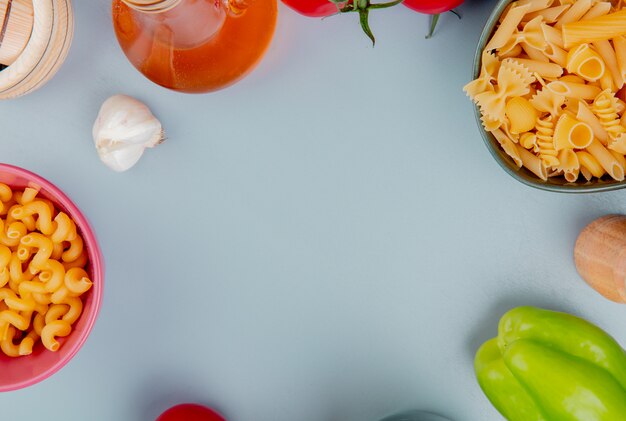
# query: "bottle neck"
152 6
234 7
182 24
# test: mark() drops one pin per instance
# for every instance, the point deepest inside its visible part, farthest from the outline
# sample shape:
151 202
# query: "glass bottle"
194 45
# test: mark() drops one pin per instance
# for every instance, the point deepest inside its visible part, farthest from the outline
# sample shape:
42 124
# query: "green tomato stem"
363 7
433 23
363 18
385 5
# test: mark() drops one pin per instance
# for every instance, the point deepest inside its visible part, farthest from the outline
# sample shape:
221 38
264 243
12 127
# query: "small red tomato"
433 7
313 8
323 8
190 412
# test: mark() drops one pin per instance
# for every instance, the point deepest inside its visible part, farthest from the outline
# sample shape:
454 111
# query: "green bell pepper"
551 366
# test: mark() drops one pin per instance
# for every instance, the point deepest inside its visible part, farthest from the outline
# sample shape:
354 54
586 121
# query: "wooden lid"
152 6
45 49
16 26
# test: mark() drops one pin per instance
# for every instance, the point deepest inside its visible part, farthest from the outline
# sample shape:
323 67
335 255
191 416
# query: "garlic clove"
123 118
121 159
123 129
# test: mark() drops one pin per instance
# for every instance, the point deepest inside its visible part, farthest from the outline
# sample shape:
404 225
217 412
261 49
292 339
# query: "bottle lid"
152 6
16 27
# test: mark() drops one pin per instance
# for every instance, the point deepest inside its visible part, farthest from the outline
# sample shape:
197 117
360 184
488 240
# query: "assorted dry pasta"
551 88
42 272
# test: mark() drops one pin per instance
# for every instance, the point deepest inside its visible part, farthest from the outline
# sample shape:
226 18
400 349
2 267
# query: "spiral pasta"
42 273
605 108
545 142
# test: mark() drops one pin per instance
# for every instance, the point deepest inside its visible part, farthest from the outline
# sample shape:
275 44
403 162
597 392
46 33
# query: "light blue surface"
328 240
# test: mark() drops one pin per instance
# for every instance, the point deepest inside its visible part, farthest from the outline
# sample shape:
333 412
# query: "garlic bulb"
125 127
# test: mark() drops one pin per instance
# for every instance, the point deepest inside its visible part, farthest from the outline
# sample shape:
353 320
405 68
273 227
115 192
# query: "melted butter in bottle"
194 45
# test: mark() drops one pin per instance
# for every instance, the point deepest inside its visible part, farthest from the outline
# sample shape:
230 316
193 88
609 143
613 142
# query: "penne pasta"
508 146
531 39
546 70
620 158
586 173
532 163
535 5
574 90
586 115
507 27
606 160
588 162
513 52
572 78
619 44
574 13
596 29
533 53
606 82
552 35
599 9
605 49
556 54
551 14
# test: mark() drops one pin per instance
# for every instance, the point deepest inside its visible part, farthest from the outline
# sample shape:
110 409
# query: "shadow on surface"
164 390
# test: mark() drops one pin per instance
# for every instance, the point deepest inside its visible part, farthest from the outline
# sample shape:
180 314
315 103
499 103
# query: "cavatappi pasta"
551 88
42 272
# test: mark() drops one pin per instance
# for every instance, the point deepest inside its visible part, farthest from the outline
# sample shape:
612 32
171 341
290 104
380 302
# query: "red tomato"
323 8
432 7
190 412
313 8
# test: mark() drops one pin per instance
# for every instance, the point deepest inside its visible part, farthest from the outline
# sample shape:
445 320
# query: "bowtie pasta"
42 272
551 88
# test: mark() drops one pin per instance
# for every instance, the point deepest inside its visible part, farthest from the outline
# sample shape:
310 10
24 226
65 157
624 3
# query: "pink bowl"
17 373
